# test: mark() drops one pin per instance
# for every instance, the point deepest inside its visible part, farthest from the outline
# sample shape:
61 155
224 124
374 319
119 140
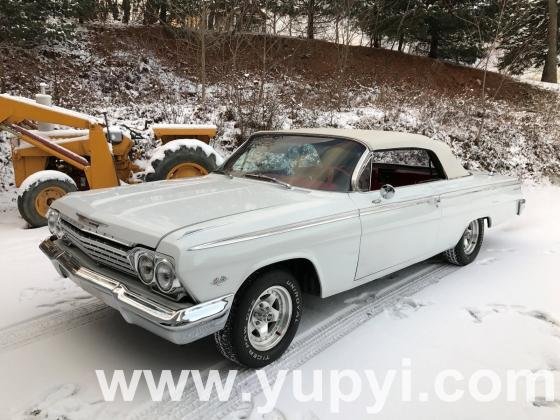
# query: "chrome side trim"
436 198
399 205
473 190
277 230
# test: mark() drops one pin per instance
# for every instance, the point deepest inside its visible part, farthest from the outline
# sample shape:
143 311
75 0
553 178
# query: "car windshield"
320 163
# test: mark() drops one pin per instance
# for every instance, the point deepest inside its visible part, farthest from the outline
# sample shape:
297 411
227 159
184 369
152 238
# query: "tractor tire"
183 159
38 191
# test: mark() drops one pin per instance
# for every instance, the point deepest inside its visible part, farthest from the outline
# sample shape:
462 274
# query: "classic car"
317 211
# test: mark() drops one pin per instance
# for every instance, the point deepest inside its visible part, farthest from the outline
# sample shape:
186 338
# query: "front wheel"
468 247
263 320
39 191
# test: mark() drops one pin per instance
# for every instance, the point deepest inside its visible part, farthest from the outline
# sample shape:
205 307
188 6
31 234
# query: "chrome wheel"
269 318
470 237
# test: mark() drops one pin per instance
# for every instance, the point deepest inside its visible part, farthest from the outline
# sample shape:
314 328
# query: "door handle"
437 201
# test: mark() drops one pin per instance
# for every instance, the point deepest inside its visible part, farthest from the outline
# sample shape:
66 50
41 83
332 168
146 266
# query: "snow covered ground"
502 312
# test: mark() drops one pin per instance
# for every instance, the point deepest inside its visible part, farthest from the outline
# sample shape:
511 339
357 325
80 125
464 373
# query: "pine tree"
30 22
525 43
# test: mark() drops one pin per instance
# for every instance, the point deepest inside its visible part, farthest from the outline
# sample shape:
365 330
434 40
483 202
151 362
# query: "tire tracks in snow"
305 346
52 323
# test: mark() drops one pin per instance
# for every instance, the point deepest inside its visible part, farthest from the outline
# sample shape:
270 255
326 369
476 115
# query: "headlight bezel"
157 258
164 262
53 222
146 278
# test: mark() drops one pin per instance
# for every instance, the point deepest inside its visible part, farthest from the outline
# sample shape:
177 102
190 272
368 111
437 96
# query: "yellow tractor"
56 151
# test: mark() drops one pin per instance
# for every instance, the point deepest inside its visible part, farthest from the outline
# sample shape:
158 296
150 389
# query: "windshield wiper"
268 178
222 172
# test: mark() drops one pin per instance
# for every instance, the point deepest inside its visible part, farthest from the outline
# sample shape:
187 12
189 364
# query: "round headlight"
52 221
145 267
165 275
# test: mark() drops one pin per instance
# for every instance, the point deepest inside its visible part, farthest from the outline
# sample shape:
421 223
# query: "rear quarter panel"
473 197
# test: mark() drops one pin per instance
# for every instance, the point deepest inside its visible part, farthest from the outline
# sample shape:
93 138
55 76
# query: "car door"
401 227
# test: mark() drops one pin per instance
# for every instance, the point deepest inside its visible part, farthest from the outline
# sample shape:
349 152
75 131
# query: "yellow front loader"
56 151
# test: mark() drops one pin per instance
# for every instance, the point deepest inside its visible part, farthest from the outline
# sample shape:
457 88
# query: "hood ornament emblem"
90 222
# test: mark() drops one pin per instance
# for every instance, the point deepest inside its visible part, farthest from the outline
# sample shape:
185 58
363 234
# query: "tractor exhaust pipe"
44 99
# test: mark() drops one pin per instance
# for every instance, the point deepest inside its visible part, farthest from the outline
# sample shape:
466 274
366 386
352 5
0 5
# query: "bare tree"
550 71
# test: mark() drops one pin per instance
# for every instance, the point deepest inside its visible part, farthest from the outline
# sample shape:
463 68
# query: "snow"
172 146
43 176
69 132
499 313
185 126
137 88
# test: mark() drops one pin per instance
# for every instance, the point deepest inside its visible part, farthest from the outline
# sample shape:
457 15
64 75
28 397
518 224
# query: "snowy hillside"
511 129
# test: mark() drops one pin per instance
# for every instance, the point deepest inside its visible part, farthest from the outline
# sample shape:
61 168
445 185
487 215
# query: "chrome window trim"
358 170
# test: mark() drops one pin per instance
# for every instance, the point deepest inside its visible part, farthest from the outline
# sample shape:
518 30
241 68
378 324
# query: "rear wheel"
263 320
468 246
183 159
39 191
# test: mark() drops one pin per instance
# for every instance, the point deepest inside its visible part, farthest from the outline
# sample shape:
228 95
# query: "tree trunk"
336 29
163 12
151 12
126 11
203 29
114 7
434 45
311 19
401 42
550 71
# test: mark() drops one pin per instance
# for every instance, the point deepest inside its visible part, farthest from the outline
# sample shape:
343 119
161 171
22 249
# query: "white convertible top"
380 140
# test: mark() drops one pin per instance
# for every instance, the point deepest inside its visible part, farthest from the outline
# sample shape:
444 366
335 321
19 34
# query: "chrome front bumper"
180 326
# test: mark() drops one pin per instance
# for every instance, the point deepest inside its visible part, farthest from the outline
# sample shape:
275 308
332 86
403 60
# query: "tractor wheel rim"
45 198
186 170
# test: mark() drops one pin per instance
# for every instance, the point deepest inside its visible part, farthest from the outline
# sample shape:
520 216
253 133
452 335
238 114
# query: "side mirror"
387 192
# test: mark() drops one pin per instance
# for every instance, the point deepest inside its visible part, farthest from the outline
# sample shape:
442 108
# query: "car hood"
142 214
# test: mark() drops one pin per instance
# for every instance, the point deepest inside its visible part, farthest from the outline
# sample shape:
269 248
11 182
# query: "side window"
402 167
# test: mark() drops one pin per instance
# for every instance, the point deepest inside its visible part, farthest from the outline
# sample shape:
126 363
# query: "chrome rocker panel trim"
180 326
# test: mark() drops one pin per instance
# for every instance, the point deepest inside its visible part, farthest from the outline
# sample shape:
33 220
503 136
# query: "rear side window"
401 167
404 157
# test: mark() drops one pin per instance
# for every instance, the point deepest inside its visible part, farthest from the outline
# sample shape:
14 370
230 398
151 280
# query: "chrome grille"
100 249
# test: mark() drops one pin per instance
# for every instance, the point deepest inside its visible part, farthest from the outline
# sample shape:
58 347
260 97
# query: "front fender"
212 272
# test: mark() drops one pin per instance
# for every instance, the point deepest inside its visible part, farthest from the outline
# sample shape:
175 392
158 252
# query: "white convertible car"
313 210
